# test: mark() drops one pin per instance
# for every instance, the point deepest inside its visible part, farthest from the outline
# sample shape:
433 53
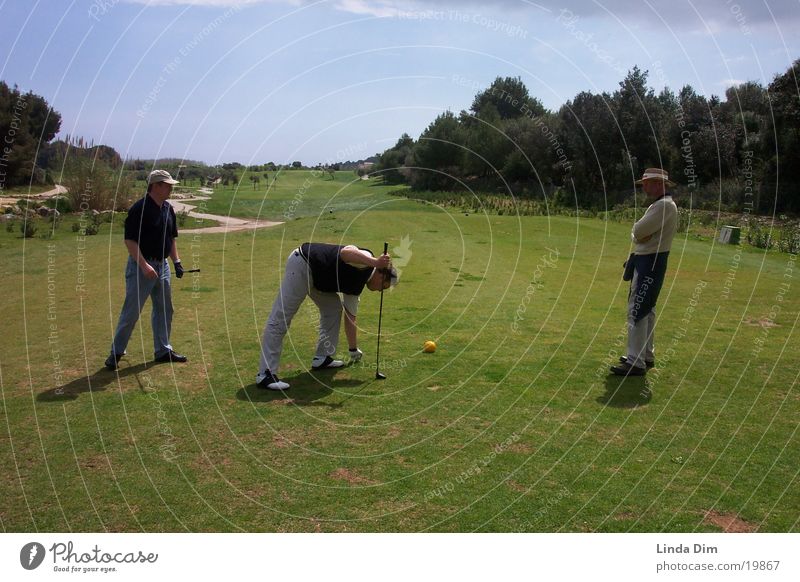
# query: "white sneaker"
320 363
270 381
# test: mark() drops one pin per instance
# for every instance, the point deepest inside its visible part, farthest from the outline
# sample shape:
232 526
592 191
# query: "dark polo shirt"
330 273
152 227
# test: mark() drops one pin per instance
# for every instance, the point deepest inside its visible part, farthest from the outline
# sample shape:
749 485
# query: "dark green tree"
439 154
637 114
595 148
507 97
391 163
782 151
27 124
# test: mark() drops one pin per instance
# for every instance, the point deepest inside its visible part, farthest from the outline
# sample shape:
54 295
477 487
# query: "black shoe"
112 362
171 356
648 363
270 381
627 370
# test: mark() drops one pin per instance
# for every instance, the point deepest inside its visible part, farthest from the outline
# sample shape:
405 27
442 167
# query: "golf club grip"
385 247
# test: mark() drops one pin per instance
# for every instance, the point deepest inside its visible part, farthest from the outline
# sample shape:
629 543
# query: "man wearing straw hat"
652 236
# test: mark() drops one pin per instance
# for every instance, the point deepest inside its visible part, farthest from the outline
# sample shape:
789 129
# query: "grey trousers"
137 289
295 287
640 333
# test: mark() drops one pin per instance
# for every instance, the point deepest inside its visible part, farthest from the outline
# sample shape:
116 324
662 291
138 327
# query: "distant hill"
348 165
51 153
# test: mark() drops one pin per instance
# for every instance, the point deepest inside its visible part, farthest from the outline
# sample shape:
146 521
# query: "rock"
45 212
8 217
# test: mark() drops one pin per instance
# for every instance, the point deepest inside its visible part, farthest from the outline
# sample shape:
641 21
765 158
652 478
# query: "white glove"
355 355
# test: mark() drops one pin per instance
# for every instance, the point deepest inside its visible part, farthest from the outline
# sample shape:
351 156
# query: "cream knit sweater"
653 232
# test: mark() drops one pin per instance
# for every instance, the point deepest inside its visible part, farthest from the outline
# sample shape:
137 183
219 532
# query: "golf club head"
379 376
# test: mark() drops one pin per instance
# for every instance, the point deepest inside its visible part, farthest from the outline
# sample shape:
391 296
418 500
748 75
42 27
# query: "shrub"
91 181
789 236
28 228
24 204
60 203
182 217
706 218
758 235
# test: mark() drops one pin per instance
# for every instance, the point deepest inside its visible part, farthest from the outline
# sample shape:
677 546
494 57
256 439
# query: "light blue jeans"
137 290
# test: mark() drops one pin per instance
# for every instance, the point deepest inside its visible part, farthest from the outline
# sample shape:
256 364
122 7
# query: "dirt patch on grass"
281 402
728 522
342 474
94 462
625 515
760 322
518 487
521 448
280 441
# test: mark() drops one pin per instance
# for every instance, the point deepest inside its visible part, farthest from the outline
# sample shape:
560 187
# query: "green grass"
62 230
297 194
26 190
512 425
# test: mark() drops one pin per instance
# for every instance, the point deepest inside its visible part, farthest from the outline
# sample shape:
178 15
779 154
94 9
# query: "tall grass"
760 232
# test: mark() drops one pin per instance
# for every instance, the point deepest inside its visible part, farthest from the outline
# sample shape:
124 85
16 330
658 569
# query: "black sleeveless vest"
330 273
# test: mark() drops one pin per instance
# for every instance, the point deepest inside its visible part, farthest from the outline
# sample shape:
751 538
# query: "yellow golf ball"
429 347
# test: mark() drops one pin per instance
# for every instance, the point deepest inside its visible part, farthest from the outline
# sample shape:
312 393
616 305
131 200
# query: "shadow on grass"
307 389
626 392
97 382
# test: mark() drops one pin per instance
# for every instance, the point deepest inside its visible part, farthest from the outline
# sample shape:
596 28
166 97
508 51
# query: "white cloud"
222 3
717 13
730 82
380 9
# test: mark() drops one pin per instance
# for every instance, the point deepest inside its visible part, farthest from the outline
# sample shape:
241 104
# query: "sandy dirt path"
227 223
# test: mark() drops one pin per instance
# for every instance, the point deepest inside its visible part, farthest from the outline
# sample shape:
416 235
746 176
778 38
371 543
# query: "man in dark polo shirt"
322 271
150 233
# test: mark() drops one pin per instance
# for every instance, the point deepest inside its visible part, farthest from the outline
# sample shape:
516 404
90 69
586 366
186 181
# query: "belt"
299 253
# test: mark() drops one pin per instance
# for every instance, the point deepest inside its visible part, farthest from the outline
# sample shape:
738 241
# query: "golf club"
378 375
192 271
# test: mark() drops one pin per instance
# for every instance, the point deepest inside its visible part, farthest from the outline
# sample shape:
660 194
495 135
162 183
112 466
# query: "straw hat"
655 174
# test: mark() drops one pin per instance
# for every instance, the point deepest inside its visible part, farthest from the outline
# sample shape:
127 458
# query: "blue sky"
283 80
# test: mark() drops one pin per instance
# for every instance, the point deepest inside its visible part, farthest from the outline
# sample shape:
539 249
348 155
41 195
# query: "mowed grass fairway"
512 425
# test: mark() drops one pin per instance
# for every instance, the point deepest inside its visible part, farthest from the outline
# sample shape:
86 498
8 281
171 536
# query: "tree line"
740 154
26 124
